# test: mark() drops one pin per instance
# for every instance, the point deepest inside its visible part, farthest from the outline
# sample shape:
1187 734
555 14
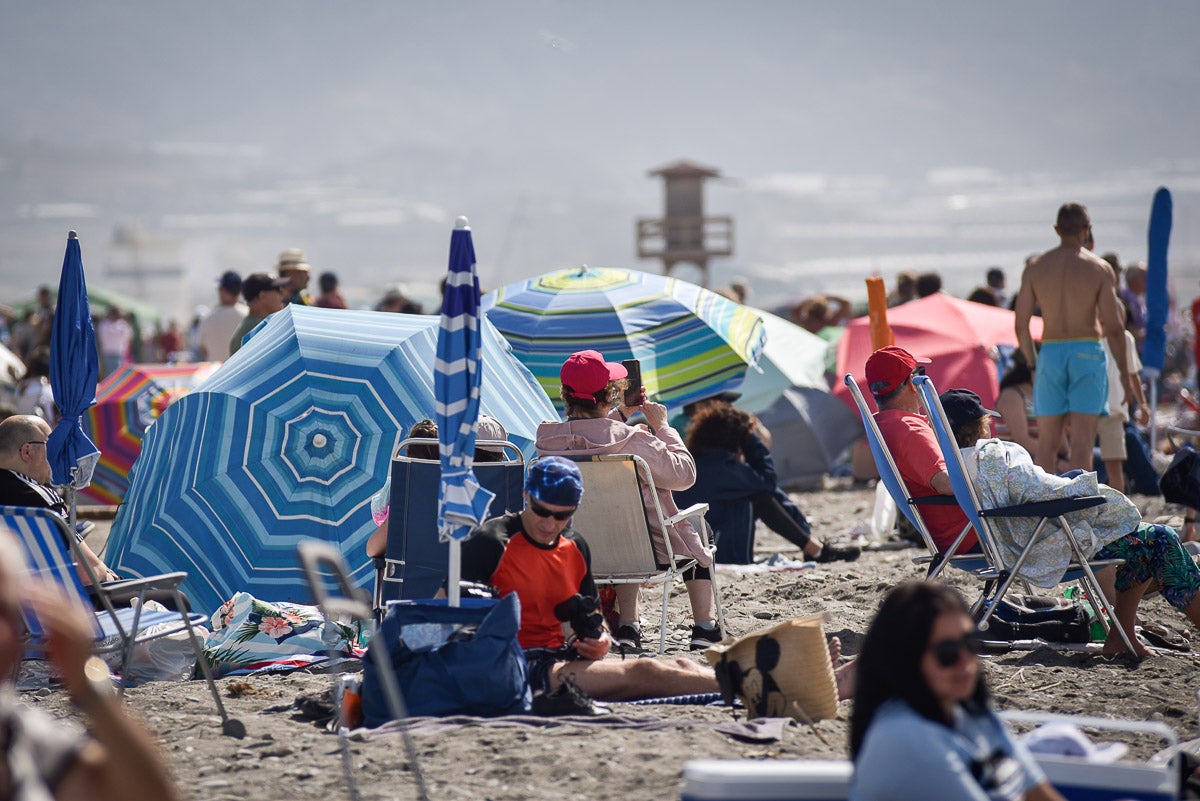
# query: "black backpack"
1028 617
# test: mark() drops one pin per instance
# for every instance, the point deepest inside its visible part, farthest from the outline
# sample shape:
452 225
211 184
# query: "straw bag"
783 671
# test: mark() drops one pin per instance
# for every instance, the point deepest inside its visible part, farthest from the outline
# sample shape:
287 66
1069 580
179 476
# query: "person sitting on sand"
536 554
1005 475
596 424
922 725
39 756
734 469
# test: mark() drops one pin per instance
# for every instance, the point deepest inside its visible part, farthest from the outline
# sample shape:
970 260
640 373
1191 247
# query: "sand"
284 756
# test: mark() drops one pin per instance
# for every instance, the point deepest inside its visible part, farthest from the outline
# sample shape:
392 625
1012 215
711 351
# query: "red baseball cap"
585 373
888 368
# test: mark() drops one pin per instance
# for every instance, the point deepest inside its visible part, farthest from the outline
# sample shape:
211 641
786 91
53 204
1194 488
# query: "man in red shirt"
535 554
913 444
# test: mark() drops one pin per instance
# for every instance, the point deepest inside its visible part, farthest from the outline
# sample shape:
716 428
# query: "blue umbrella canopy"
1154 348
74 371
692 343
457 378
289 439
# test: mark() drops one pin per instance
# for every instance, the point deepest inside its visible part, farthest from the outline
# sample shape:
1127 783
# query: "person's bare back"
1077 294
1071 285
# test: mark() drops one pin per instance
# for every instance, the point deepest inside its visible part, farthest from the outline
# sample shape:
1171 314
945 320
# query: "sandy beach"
642 751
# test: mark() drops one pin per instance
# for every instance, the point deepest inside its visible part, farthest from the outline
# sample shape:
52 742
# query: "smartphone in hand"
633 393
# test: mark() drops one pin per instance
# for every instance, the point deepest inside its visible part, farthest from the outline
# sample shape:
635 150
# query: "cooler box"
1079 780
766 780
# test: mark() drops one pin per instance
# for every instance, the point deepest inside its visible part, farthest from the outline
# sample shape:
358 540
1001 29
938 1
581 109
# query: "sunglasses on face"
948 652
542 511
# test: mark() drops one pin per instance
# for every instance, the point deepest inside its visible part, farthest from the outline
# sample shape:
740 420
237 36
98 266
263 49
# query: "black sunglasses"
542 511
948 652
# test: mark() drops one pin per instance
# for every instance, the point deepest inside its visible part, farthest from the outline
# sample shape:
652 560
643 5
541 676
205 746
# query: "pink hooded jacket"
671 467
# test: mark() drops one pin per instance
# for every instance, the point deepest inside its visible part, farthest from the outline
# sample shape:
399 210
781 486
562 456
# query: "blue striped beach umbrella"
692 343
288 440
457 378
462 503
74 371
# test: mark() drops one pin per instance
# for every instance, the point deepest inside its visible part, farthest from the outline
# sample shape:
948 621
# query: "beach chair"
1081 569
889 474
339 600
45 537
415 563
617 525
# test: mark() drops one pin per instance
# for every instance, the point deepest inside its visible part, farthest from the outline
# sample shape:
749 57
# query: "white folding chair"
619 528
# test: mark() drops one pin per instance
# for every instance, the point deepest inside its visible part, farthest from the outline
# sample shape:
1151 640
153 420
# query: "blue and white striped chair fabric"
45 537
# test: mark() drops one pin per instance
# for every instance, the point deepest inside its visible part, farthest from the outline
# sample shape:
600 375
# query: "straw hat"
780 671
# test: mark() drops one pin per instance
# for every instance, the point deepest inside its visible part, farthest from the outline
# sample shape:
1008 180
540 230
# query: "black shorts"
541 661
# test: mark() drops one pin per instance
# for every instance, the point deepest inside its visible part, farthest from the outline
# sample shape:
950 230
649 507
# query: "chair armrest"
695 510
1054 508
164 581
935 500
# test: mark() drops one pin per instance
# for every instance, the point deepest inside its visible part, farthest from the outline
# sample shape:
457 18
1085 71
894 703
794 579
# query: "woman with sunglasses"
596 412
922 727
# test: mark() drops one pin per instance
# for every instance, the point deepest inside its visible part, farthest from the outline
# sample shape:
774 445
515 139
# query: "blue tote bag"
450 660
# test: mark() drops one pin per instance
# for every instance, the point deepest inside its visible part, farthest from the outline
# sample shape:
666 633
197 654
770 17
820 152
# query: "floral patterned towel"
246 630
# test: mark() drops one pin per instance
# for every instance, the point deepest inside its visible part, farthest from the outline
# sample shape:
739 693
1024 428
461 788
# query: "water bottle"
883 518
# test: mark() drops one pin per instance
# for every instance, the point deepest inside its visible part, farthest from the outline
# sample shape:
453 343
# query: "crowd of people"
922 709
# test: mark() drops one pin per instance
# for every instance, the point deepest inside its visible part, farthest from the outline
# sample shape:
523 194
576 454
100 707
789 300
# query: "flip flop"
1163 637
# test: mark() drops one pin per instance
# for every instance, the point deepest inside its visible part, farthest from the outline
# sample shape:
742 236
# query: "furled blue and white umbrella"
457 377
74 371
288 440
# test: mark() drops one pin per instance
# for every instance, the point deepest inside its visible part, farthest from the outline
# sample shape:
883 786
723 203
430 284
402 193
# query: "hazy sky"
851 133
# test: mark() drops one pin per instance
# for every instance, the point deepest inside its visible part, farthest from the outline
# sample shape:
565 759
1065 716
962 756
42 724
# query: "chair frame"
897 488
388 568
42 533
641 566
968 498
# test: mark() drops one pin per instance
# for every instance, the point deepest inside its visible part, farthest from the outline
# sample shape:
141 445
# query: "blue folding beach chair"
45 537
889 474
416 563
1081 569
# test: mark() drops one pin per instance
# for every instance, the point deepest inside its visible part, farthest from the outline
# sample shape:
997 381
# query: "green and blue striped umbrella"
288 440
692 343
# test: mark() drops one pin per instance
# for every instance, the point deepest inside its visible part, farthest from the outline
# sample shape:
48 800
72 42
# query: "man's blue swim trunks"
1071 376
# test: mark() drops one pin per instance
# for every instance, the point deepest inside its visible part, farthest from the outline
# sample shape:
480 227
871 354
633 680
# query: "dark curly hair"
889 665
719 425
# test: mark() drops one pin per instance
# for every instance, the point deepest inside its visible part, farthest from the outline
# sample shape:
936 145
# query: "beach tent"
960 338
289 439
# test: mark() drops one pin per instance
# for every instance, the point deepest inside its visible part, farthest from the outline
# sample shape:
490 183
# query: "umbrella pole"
71 515
1153 412
455 571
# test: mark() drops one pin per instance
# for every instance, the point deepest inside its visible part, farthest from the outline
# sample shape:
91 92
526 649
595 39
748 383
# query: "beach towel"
246 630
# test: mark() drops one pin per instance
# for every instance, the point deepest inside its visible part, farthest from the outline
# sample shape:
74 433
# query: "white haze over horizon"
852 138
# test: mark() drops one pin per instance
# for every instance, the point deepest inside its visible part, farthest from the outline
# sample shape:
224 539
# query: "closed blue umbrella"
1154 348
290 439
457 375
74 371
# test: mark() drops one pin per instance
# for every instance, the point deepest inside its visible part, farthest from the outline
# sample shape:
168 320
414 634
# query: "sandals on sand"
1163 637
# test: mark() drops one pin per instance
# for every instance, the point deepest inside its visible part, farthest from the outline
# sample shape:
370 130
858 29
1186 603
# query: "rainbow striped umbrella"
692 343
127 402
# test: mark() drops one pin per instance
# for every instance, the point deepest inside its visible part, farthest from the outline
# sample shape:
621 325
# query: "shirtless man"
1077 294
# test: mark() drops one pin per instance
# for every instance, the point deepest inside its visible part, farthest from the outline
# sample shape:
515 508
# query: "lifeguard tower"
683 235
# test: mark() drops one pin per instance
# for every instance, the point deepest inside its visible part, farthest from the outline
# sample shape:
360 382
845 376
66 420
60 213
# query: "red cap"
585 373
888 368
